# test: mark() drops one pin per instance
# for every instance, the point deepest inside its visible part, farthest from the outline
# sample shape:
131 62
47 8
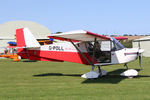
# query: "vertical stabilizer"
26 39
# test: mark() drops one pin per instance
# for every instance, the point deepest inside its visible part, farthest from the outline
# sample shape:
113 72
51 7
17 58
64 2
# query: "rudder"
26 39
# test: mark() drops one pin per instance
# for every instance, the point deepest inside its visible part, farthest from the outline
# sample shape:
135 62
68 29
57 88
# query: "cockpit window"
116 44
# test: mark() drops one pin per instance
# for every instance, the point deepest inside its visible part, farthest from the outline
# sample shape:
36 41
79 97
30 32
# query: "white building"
8 31
144 43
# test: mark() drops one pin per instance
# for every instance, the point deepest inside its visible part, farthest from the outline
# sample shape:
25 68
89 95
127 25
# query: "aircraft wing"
79 35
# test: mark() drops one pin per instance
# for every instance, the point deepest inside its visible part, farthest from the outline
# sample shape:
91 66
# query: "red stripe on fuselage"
58 56
132 53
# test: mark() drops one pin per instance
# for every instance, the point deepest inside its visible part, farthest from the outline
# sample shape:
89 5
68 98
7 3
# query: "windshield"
116 44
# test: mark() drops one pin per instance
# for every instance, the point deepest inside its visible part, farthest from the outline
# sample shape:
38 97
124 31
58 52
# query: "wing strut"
93 58
81 53
94 47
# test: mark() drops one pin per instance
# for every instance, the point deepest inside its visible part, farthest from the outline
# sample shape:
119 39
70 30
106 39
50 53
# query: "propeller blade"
140 64
139 45
139 54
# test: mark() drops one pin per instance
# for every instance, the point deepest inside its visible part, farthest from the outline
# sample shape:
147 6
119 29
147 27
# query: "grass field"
61 81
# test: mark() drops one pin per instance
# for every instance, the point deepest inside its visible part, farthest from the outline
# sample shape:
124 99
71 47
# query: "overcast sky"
99 16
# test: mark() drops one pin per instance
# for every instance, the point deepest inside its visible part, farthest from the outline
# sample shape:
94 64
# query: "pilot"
90 48
6 51
97 50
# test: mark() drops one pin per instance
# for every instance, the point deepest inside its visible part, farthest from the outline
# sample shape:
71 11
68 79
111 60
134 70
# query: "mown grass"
61 81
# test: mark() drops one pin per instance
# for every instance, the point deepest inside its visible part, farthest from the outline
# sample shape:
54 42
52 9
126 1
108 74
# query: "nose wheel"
125 65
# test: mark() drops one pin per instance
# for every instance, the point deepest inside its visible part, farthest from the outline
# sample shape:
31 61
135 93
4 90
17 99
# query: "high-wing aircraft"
79 46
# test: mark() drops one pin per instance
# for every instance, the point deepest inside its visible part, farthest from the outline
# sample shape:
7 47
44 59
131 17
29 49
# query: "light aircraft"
10 51
79 46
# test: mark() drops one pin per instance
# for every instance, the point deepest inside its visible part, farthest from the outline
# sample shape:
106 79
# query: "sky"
110 17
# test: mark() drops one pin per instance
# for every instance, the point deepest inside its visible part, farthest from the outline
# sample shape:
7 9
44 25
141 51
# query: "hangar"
8 31
144 44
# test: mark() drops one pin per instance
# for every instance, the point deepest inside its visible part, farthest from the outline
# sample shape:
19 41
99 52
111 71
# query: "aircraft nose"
141 50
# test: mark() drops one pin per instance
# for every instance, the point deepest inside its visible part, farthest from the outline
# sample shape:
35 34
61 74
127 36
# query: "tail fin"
26 39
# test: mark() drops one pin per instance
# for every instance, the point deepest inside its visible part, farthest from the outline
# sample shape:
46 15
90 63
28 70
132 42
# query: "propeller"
139 55
140 64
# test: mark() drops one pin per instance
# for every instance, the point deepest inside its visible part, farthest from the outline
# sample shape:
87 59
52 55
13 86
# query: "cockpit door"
102 51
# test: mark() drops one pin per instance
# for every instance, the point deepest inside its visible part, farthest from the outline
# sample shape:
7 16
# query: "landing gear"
100 71
93 67
126 65
94 74
130 73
